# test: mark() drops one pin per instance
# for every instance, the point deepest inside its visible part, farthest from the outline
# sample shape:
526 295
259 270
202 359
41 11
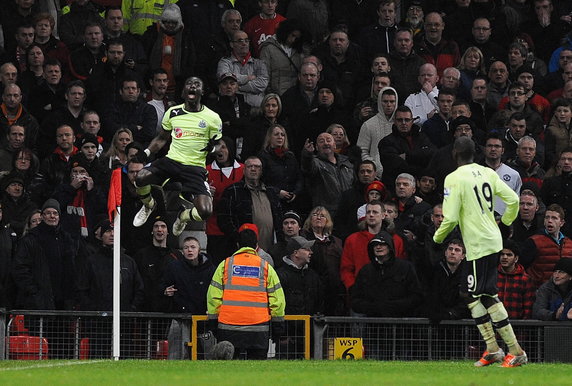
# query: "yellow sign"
348 348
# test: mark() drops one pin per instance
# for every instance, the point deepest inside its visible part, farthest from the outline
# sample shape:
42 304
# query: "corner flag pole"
114 210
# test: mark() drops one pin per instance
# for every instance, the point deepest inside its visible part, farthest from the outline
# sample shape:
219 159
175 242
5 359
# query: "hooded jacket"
374 130
386 289
516 291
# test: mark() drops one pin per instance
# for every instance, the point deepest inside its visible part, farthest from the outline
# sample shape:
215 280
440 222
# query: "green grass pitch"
130 372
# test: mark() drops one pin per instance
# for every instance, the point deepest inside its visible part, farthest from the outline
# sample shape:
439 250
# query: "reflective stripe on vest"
244 299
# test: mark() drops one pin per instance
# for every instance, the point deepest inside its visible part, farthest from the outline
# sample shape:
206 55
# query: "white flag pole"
116 281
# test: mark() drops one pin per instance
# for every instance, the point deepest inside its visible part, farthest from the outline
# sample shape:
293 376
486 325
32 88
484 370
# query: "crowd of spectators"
338 123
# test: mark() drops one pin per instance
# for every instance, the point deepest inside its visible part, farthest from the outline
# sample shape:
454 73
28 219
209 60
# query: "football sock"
499 316
483 321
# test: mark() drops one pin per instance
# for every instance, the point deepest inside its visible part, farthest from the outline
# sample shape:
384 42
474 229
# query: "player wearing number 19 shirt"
469 202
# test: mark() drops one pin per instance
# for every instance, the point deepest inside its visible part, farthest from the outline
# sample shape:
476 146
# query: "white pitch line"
52 365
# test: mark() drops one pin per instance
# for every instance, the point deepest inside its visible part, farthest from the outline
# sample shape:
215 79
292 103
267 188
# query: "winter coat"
303 289
418 150
327 180
516 291
540 253
191 282
96 283
282 69
281 172
152 262
443 300
548 299
44 269
388 289
236 208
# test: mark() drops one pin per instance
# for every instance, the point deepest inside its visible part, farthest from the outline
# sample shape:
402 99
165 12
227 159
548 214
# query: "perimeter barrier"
88 335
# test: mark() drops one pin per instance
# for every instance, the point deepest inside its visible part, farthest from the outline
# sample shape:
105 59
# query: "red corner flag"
114 197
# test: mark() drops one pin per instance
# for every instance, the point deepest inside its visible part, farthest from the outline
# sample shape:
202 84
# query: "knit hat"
249 226
528 69
379 186
564 264
294 215
51 203
104 225
298 242
87 138
461 120
532 186
12 179
172 12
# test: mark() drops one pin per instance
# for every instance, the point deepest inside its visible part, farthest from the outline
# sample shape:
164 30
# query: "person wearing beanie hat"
291 225
374 192
16 203
400 297
45 272
169 40
88 145
554 298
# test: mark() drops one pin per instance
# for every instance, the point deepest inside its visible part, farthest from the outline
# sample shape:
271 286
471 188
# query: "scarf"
279 151
243 61
78 206
157 51
16 117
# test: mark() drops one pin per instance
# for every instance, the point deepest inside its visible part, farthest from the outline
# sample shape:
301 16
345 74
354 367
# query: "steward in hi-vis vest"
244 296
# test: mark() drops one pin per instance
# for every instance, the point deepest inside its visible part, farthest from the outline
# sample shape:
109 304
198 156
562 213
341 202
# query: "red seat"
27 347
162 351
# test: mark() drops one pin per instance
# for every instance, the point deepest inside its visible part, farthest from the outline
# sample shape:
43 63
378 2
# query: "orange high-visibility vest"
244 298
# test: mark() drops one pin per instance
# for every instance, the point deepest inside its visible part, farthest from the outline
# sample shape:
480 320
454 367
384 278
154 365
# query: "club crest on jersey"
506 177
446 192
178 132
202 124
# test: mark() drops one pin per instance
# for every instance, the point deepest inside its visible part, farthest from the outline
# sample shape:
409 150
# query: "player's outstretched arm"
159 141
